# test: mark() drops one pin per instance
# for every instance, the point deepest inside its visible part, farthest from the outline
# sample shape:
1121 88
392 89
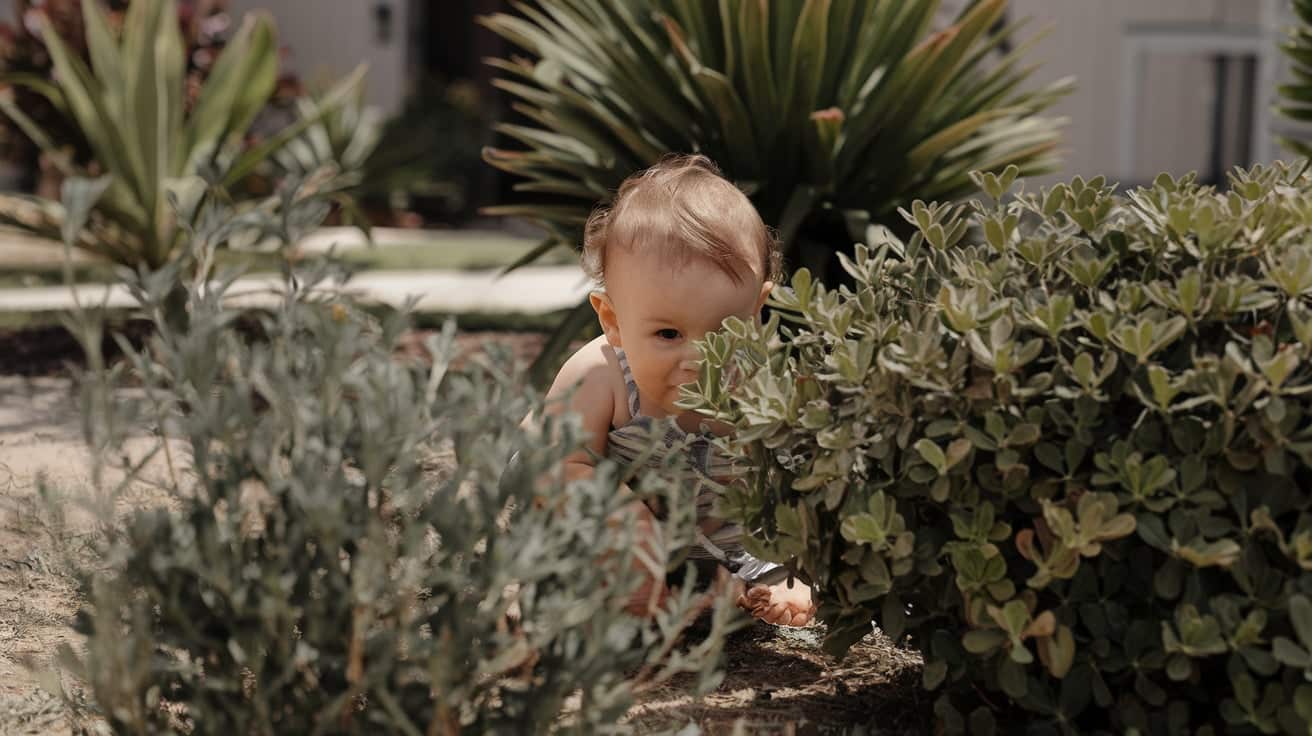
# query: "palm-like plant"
431 148
808 104
344 138
830 114
130 106
1297 97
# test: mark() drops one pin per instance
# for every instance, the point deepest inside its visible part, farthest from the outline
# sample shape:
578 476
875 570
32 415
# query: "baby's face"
660 310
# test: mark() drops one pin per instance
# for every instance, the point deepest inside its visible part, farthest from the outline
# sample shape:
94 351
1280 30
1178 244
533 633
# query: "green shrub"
1063 442
829 114
339 546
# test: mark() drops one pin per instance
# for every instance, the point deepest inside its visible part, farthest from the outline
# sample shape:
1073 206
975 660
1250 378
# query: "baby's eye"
668 334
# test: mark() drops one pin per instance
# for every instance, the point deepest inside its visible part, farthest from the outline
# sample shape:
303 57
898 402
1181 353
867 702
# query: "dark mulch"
51 350
777 680
522 346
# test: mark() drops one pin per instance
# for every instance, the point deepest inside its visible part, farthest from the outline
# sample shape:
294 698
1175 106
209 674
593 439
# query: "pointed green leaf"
1300 615
86 102
104 53
932 454
79 197
247 162
239 84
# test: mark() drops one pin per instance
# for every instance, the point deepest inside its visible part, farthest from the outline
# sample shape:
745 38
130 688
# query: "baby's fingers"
779 615
783 614
759 594
752 599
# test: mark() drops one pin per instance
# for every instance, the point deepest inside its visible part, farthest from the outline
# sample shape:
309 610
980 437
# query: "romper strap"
630 385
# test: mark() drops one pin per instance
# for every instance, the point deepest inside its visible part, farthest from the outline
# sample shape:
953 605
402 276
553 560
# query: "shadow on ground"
777 680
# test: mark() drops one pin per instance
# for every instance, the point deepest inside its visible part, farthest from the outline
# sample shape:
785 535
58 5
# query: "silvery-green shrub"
339 542
1062 441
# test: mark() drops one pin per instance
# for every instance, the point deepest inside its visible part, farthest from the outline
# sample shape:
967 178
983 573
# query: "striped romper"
650 441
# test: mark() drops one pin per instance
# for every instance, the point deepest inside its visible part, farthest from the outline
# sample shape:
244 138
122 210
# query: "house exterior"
1162 85
326 39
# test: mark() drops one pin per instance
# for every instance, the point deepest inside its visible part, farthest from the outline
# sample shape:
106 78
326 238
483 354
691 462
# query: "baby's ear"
765 293
610 326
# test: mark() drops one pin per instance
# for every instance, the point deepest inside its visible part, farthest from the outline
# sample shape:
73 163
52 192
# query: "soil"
776 679
36 605
38 434
52 350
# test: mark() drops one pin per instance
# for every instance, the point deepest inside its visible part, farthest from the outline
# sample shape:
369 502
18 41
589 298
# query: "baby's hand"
787 604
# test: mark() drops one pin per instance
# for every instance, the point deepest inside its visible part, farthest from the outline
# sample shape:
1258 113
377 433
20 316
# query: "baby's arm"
590 383
587 375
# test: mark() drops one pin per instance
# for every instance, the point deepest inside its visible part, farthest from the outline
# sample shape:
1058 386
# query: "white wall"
1085 40
326 39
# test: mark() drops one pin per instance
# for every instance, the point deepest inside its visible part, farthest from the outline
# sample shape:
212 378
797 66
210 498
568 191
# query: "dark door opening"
450 48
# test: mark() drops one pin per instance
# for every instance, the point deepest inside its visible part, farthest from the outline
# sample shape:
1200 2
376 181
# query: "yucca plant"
344 137
830 114
130 105
429 148
1296 98
22 52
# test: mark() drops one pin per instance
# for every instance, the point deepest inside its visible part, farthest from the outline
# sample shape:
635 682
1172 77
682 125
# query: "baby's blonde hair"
685 205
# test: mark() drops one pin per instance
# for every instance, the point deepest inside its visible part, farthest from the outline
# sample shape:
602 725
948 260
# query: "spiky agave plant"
830 114
130 104
1296 98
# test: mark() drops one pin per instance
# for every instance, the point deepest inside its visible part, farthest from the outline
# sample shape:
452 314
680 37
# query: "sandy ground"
777 681
41 447
38 434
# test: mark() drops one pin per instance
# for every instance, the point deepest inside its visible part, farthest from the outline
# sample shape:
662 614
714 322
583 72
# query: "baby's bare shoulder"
595 376
594 363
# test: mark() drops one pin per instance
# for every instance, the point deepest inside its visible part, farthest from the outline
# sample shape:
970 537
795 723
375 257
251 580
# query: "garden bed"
47 349
777 680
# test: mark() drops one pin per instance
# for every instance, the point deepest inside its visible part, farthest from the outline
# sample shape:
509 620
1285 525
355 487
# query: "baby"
678 251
